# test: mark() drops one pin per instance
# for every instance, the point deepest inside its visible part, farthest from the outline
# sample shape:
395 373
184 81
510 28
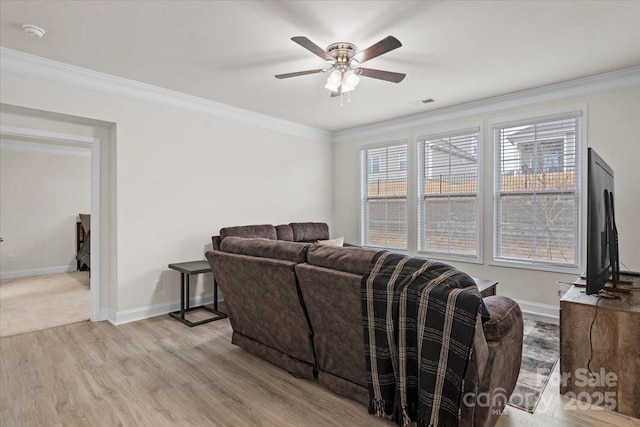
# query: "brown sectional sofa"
298 305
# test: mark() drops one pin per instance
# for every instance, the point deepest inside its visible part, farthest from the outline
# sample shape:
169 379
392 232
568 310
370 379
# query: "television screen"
601 239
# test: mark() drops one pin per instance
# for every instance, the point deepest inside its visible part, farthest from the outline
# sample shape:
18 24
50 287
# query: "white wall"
42 190
179 176
614 132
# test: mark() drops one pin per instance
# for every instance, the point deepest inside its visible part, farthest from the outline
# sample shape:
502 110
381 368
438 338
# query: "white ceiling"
453 51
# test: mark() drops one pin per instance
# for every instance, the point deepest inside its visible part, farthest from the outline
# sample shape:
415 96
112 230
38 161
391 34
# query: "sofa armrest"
215 241
505 315
503 334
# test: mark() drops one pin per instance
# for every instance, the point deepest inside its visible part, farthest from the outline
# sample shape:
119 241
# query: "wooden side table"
487 287
187 269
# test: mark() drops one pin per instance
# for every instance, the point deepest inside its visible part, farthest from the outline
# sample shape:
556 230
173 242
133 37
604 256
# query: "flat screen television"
603 264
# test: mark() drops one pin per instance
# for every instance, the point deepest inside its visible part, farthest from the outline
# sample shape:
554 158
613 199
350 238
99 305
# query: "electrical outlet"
12 258
158 285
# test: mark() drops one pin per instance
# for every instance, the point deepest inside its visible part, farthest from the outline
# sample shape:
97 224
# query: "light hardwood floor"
158 372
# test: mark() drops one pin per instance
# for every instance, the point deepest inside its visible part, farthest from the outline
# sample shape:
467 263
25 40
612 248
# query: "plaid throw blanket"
419 322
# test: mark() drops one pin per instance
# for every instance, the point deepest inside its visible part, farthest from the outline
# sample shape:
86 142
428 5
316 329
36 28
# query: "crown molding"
615 80
39 67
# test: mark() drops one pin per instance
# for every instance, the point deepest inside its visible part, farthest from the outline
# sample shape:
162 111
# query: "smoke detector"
33 30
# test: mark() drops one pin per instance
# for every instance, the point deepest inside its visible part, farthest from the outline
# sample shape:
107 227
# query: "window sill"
538 267
382 248
448 257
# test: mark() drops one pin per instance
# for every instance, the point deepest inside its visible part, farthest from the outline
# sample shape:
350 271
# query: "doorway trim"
93 144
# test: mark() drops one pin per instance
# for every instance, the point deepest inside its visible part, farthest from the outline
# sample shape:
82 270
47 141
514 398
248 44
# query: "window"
536 218
374 165
402 162
448 194
384 196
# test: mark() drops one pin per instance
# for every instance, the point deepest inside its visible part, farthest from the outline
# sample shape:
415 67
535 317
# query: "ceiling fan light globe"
334 80
349 81
335 76
351 78
332 87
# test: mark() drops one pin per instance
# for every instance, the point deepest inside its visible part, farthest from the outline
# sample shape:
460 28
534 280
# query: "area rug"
34 303
540 352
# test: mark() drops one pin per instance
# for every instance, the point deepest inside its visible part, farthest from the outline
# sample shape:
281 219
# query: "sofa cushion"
263 301
338 241
352 260
265 231
284 232
505 313
309 231
333 302
265 248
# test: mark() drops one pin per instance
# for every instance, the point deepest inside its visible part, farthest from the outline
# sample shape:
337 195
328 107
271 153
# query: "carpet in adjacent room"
34 303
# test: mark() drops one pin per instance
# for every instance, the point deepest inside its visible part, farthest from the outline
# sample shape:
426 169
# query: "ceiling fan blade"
382 75
312 47
299 73
383 46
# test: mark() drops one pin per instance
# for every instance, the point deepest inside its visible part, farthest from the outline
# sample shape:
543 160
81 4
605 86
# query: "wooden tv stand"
616 349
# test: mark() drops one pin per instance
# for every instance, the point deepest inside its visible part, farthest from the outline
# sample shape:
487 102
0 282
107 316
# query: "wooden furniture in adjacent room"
607 331
83 242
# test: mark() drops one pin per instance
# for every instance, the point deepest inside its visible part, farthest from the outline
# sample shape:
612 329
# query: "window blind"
448 194
537 192
384 196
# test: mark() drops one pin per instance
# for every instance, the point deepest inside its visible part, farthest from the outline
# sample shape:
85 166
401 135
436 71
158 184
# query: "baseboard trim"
103 314
544 312
112 316
37 272
141 313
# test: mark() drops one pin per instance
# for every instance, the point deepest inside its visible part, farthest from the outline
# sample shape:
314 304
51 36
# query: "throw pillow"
338 241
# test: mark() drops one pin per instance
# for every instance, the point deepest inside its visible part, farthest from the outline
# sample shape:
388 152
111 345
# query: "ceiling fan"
345 61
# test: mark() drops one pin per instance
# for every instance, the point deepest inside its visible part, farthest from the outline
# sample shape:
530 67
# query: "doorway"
46 140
